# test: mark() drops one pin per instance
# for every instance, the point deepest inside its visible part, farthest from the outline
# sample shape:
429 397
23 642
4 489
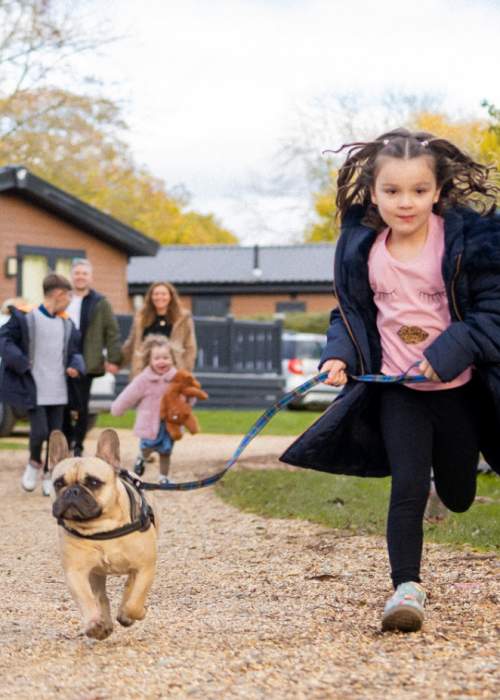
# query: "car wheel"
7 420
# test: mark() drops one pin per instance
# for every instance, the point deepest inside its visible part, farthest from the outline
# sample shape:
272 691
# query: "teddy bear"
175 408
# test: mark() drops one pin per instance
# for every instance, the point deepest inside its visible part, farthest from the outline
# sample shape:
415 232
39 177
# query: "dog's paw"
127 616
124 620
99 629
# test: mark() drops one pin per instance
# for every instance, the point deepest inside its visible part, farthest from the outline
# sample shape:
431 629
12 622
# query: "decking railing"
227 345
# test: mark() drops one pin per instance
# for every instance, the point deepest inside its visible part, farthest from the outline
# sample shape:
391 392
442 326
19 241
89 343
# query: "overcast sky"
211 89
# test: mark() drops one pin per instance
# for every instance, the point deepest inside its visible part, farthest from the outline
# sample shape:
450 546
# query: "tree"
38 38
467 134
494 114
76 142
326 228
490 144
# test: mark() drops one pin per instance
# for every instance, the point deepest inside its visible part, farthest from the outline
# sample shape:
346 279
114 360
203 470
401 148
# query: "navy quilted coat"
17 386
346 439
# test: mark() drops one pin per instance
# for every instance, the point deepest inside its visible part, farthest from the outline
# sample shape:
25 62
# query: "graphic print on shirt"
434 297
411 335
384 294
411 301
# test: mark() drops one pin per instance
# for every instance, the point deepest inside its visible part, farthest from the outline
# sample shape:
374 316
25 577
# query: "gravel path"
242 607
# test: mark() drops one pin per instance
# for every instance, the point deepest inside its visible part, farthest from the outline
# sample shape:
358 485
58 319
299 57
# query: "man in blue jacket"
39 350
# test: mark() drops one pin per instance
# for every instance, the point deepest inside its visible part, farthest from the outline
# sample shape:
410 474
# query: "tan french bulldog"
91 504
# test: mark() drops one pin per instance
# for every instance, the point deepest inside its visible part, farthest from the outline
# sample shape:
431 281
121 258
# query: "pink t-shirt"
412 306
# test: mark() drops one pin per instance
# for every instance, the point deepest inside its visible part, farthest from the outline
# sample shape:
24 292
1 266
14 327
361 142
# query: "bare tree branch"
38 40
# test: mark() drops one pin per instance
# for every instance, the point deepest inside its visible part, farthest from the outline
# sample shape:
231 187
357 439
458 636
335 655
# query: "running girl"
417 281
145 392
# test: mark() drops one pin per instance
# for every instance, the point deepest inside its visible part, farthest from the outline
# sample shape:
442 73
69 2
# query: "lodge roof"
247 266
20 181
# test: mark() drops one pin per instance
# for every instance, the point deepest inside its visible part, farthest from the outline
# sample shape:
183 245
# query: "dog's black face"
76 501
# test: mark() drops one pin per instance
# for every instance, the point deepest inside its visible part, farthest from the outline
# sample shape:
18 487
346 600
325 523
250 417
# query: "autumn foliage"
76 142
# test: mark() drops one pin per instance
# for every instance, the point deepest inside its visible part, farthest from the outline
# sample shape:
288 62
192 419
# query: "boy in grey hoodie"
39 350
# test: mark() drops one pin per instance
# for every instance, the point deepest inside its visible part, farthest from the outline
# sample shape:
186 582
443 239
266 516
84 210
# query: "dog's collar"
139 522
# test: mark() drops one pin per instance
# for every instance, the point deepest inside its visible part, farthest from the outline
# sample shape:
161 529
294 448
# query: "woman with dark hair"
162 314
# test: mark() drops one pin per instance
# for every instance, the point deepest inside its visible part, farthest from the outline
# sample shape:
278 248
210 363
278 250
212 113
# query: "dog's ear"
108 448
58 448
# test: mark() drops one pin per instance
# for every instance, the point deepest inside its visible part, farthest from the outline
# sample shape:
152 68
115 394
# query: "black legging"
43 420
424 429
75 431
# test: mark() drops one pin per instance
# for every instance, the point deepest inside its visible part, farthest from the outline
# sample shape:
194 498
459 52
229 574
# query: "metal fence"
226 345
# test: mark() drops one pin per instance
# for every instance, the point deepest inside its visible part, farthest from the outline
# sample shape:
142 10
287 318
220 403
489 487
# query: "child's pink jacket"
145 392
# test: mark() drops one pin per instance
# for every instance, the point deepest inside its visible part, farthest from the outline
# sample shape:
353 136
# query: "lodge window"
285 307
36 262
211 305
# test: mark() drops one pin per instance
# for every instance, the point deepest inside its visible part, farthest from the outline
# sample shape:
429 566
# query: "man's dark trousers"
75 430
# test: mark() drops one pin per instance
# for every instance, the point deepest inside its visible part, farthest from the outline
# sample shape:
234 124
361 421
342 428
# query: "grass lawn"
9 445
234 422
355 504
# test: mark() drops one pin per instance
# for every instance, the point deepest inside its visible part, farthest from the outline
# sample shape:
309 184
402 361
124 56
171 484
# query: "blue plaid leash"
261 423
405 377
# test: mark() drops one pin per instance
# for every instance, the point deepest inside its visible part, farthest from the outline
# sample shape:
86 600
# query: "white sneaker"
46 485
30 477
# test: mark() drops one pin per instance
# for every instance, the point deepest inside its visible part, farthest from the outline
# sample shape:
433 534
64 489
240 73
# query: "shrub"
299 321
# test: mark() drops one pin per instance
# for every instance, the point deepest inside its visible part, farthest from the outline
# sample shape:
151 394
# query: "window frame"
290 306
224 300
50 253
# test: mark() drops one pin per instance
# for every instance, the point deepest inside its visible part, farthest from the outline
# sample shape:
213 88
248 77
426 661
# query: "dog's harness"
142 517
264 419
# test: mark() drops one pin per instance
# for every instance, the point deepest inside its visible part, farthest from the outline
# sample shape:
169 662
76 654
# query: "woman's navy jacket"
347 439
17 386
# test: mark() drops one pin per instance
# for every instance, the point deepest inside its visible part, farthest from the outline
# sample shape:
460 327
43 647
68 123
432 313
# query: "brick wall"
252 304
22 223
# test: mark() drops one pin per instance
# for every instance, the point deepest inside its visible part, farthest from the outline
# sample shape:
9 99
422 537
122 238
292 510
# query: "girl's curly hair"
463 181
152 341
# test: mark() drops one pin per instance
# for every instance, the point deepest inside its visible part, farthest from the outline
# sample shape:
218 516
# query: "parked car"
300 356
101 397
